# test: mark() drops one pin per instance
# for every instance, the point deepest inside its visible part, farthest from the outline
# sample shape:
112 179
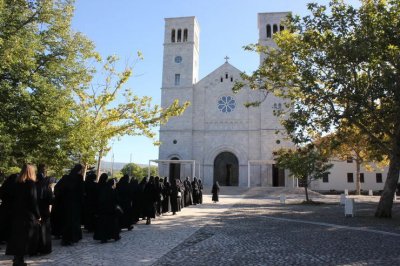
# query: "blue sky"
123 27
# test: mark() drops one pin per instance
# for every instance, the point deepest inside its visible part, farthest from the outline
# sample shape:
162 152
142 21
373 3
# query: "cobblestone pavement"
247 229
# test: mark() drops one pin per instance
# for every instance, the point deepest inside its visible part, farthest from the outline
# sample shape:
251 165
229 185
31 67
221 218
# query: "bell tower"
269 24
181 52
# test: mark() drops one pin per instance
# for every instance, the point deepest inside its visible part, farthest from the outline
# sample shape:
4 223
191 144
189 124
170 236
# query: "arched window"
275 28
173 35
179 35
281 28
185 35
269 35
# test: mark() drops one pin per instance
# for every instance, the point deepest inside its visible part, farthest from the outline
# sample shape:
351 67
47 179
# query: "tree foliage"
339 67
137 171
42 62
305 163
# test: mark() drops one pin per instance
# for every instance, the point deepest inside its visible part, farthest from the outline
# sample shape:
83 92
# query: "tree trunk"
306 190
384 209
99 164
358 181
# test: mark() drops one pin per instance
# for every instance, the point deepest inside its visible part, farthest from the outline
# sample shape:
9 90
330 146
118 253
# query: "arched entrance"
226 169
174 169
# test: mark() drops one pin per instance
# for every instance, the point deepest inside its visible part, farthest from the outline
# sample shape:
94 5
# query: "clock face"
226 104
178 59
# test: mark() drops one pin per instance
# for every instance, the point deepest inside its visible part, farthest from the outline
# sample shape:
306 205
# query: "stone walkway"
251 228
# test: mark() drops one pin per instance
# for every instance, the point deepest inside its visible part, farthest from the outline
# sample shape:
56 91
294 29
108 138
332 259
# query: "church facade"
217 135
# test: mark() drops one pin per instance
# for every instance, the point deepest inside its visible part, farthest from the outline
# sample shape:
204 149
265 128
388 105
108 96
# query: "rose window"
226 104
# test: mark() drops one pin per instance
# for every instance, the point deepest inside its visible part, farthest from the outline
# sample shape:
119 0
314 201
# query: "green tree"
339 67
137 171
305 163
110 110
42 62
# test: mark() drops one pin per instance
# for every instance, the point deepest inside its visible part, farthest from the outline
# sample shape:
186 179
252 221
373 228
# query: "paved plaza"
247 227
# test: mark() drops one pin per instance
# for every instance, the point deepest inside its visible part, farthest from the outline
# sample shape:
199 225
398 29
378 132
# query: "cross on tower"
226 59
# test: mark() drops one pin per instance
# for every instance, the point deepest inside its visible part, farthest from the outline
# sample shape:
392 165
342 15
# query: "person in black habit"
135 194
56 216
90 200
107 213
25 217
166 202
158 185
125 202
175 196
195 191
188 192
71 193
141 196
215 192
7 193
150 199
200 192
45 198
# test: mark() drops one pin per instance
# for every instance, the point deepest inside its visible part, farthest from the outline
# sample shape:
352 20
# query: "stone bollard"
282 199
370 192
349 208
342 199
346 192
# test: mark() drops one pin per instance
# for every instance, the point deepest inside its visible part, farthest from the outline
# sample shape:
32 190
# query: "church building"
217 138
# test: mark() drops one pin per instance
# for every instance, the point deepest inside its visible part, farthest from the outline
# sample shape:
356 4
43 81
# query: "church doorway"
226 169
174 170
278 176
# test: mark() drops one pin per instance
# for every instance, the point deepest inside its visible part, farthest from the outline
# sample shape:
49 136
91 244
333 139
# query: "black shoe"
117 238
130 228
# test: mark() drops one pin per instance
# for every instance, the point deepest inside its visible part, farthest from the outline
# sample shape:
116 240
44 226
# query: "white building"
217 131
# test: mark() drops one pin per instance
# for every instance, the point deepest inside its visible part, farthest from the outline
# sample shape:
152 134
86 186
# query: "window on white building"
177 79
378 178
350 178
325 178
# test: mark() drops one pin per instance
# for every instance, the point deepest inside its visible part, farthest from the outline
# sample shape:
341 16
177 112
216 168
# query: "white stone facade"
210 127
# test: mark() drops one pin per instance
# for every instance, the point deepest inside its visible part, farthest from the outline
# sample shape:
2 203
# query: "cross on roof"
226 58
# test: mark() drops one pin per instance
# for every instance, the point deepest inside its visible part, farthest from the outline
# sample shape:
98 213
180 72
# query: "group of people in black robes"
34 207
25 213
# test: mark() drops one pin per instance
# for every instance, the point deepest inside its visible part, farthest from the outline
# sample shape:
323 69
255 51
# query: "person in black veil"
135 194
158 185
107 226
90 200
56 215
200 192
215 192
124 194
45 198
188 192
7 193
195 191
71 193
175 197
150 199
25 217
166 202
141 196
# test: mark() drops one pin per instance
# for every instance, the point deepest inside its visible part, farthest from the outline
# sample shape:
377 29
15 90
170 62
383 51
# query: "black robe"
150 199
45 198
107 225
215 192
188 193
90 201
195 192
125 202
25 225
56 216
7 193
175 200
200 192
71 201
166 192
136 204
